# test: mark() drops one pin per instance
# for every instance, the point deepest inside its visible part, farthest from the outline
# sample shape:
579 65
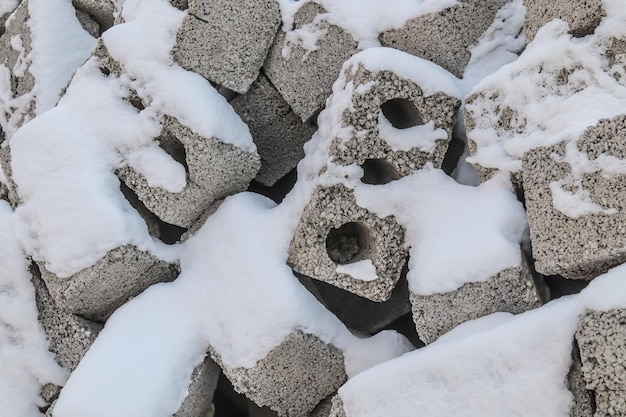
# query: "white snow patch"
362 270
7 6
424 137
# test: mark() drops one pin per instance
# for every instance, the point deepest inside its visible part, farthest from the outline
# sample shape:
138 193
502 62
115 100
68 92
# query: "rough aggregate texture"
380 240
445 37
583 404
22 81
10 193
227 42
90 25
100 10
582 16
305 78
511 290
199 400
601 337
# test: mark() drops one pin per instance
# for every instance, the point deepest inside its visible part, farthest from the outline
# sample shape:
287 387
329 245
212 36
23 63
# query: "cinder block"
214 170
337 407
227 41
293 378
582 16
278 132
345 245
90 25
384 105
15 45
512 290
305 78
445 37
588 245
97 291
601 337
583 405
102 11
10 193
199 400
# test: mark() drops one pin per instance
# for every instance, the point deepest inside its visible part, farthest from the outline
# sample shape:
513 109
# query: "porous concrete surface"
364 112
512 290
583 405
11 188
294 376
587 246
380 240
323 409
214 170
582 16
90 25
22 81
305 78
199 400
337 407
601 338
277 131
101 11
445 37
97 291
227 41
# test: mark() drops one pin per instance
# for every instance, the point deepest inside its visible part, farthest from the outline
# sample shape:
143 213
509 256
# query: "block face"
277 131
102 11
199 400
446 36
588 245
97 291
334 232
305 78
215 170
227 42
512 290
582 16
601 336
22 81
294 377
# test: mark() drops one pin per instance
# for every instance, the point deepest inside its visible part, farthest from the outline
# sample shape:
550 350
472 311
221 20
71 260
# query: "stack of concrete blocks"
586 246
582 16
334 231
226 42
305 78
446 37
601 337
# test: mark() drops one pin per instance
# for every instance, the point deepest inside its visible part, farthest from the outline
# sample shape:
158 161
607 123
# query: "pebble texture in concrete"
582 16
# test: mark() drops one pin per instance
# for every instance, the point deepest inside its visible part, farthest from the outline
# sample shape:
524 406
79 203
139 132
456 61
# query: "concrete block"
582 16
337 407
381 102
199 400
15 45
445 37
586 246
10 187
278 132
305 78
293 378
512 290
214 170
601 336
97 291
335 236
583 404
102 11
323 409
90 25
227 42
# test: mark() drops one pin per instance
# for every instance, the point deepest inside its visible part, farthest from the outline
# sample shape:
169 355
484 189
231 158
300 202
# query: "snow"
7 6
362 270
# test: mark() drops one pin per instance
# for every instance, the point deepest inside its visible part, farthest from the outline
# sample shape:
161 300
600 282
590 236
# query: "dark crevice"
174 148
279 190
401 113
227 402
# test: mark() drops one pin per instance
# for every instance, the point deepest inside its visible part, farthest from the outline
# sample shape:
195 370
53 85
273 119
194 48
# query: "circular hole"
401 113
378 172
348 243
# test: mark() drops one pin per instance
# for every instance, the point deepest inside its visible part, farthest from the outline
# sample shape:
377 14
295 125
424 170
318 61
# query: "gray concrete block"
90 25
445 37
583 405
512 290
334 232
214 170
293 378
323 409
601 337
10 187
305 78
199 400
278 132
587 246
337 407
401 104
102 11
15 59
97 291
227 42
582 16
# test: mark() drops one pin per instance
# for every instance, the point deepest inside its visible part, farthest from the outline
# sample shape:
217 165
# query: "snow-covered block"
7 186
575 196
512 290
199 399
90 25
227 42
215 169
581 16
398 114
601 336
15 45
305 60
95 292
343 244
100 11
277 131
445 37
293 378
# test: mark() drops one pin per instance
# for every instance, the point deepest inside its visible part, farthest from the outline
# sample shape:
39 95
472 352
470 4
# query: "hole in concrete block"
174 148
401 113
349 243
378 172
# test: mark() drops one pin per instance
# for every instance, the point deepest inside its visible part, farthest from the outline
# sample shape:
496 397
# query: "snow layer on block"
7 6
25 363
235 294
493 365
